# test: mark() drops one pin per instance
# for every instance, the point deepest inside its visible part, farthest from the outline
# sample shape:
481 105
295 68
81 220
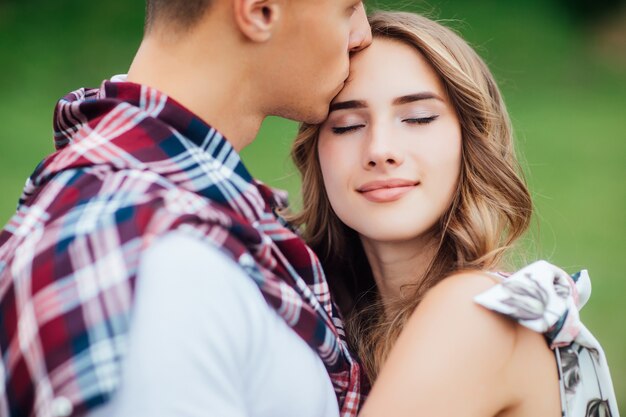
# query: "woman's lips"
387 190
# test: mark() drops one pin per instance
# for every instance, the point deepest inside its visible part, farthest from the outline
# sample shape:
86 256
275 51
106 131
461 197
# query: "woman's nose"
381 151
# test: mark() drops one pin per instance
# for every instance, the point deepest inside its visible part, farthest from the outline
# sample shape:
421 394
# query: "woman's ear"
257 19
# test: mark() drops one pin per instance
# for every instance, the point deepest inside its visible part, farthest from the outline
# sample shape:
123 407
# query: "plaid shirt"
132 165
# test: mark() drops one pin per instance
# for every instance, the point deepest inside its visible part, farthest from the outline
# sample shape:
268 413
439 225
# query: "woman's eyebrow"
350 104
410 98
361 104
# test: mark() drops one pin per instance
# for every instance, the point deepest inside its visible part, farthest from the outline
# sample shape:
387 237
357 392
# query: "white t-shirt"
204 342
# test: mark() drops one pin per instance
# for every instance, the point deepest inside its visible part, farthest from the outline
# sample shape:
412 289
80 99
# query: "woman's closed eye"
421 120
352 127
340 130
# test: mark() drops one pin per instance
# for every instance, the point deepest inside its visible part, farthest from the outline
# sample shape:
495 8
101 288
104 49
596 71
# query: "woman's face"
390 150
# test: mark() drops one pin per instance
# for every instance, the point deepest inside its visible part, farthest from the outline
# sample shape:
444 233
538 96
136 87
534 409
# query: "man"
144 272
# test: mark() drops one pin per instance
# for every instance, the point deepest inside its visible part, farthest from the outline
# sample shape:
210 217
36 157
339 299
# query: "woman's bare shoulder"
450 304
496 350
451 344
469 283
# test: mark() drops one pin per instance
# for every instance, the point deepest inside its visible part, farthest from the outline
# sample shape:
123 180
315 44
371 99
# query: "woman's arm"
456 358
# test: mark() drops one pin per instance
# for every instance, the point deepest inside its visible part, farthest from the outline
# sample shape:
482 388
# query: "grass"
565 93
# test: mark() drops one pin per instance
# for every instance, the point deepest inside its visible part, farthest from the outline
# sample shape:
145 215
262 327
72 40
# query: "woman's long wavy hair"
491 207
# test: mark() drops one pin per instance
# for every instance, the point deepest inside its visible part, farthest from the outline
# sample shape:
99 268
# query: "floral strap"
544 298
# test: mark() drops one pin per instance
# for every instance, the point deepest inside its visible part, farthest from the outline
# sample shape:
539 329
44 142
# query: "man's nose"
361 34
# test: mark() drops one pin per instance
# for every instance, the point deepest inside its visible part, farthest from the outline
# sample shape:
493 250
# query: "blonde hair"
491 207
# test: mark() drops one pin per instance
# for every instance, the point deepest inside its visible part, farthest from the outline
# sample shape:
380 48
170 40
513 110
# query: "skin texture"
453 358
313 55
418 141
248 59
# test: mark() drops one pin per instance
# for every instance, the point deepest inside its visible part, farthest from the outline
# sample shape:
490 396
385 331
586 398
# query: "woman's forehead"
389 68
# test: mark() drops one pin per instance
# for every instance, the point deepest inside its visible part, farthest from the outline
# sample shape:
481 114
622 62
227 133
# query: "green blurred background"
561 65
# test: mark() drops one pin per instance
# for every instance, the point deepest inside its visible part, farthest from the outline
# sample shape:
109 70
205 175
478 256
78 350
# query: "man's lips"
386 190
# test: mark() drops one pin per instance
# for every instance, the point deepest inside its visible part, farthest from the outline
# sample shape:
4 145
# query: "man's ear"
256 19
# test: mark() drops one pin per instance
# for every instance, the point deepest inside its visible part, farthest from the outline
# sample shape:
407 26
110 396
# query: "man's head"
291 57
308 55
177 13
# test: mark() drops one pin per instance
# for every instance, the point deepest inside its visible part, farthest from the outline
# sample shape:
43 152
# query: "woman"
412 197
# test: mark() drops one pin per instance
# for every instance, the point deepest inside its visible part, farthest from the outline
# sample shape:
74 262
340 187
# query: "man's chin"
317 118
319 114
313 113
311 116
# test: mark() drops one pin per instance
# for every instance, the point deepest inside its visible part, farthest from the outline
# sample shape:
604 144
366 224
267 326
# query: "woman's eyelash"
345 129
421 120
339 130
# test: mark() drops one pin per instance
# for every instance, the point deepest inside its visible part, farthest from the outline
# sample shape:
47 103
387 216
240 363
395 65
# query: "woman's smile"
385 191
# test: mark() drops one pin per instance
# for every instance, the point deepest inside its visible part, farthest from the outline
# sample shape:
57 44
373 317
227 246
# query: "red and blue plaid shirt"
132 165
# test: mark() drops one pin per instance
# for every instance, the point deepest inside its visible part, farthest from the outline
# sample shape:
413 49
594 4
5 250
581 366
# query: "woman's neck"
396 265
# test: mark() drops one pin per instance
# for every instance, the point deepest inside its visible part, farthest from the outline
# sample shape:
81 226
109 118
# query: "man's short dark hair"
179 14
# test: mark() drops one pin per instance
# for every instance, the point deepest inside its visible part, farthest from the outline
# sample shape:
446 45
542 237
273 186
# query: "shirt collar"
139 127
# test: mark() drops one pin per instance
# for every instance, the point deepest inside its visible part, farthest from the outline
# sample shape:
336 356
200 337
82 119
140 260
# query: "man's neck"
205 78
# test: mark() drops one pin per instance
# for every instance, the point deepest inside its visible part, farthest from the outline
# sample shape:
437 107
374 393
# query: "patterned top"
132 165
546 299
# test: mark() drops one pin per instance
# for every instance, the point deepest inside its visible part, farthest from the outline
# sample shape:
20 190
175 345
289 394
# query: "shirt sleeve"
189 335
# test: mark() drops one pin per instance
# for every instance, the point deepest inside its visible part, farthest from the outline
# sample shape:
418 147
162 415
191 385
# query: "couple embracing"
146 272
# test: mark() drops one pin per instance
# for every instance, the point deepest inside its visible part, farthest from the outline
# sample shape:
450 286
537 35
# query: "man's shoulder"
72 256
183 259
232 303
85 200
181 251
92 225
